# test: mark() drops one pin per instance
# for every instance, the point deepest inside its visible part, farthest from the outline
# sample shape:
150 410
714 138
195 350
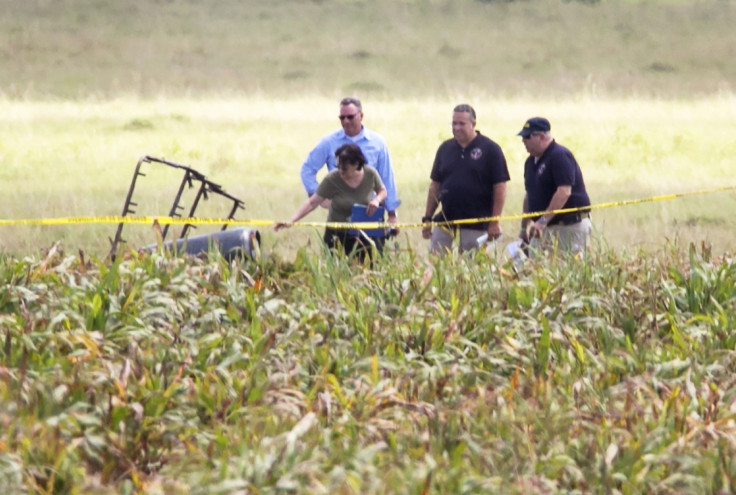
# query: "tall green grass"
158 374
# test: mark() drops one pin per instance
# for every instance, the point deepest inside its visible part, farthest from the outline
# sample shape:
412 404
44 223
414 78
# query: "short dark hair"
349 100
465 108
350 153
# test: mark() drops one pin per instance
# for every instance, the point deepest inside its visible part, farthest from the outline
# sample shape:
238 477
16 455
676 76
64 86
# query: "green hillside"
401 49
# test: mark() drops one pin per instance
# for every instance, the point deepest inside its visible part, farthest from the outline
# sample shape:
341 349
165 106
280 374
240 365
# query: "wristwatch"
426 219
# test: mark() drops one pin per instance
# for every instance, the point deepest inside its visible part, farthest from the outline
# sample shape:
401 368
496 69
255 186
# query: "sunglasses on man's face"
349 117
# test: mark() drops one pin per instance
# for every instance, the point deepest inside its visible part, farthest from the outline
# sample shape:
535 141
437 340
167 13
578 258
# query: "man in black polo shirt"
469 178
553 181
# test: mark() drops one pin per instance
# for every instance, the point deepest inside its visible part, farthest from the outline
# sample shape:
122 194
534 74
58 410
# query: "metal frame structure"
189 179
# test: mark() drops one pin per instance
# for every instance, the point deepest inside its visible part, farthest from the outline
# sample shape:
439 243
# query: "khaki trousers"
571 239
442 237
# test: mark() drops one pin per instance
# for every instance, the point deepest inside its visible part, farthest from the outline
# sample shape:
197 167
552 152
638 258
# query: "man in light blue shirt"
371 144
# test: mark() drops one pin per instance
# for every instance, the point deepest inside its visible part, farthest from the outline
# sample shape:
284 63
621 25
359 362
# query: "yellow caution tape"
135 220
162 220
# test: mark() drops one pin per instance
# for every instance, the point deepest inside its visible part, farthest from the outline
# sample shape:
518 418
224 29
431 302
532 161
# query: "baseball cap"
535 124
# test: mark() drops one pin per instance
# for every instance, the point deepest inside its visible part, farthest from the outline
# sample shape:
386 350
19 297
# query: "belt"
569 218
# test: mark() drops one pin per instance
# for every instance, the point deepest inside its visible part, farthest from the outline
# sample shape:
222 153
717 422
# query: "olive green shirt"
344 197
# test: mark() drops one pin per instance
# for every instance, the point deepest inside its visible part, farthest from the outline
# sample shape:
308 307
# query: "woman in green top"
352 183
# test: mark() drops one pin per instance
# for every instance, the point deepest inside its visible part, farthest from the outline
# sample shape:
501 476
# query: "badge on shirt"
541 168
476 153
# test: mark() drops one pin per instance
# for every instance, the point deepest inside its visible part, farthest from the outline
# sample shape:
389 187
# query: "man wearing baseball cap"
553 181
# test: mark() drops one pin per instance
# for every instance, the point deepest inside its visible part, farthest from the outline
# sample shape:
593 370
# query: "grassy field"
77 159
299 372
396 49
641 92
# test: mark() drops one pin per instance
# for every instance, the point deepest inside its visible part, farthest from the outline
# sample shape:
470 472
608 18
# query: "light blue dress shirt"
373 147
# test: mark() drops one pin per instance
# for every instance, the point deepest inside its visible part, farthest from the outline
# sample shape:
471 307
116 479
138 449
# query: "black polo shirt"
467 176
556 167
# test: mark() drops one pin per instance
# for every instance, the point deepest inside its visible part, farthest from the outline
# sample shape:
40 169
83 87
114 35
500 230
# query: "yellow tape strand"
162 220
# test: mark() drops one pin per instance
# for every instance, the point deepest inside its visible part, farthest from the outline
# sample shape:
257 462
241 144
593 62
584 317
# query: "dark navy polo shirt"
556 167
467 176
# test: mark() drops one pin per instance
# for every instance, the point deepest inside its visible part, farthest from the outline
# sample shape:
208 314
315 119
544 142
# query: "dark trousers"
353 245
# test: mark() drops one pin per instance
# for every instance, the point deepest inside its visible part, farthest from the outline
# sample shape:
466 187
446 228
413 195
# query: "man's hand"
427 229
524 235
393 219
537 227
494 231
